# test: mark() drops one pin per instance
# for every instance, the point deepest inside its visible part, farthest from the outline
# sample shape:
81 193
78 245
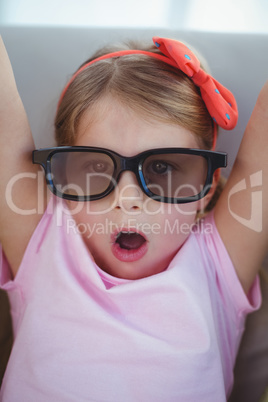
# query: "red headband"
219 101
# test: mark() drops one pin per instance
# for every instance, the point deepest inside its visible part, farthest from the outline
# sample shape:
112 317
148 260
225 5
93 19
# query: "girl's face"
130 235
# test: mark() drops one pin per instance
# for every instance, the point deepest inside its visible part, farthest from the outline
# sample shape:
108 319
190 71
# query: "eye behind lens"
83 174
159 167
175 175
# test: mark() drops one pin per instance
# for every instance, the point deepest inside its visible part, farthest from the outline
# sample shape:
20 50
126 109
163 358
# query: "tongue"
130 241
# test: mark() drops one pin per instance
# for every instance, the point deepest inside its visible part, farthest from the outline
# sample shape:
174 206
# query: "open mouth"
130 240
129 245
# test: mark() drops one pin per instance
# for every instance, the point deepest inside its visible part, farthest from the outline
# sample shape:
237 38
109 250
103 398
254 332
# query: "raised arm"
18 194
241 214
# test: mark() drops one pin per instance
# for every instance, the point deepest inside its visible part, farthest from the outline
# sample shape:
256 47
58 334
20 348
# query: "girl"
118 292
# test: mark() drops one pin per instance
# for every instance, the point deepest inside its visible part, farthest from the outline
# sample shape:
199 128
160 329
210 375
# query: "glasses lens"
81 173
175 175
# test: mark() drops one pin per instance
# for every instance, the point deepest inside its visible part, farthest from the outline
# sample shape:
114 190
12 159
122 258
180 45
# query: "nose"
129 196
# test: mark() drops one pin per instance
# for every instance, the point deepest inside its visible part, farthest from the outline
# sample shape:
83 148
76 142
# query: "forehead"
114 125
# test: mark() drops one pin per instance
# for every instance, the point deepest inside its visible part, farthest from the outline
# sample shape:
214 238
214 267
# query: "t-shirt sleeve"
227 279
5 272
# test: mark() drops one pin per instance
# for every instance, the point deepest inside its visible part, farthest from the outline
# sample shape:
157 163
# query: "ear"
204 202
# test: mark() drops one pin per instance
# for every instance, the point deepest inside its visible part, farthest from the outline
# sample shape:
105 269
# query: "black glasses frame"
215 160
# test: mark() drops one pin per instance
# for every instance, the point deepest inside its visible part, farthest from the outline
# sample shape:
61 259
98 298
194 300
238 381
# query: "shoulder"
26 250
220 269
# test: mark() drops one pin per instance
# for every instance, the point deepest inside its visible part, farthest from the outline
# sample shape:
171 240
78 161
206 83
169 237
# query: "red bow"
219 101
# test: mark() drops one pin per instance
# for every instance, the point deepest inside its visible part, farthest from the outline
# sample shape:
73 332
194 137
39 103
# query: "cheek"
184 212
91 223
177 221
151 207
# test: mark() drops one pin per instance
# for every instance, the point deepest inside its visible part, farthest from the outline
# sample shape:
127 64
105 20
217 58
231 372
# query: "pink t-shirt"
83 335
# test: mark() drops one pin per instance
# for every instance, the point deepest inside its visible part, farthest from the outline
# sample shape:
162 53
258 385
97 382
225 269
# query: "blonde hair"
146 85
